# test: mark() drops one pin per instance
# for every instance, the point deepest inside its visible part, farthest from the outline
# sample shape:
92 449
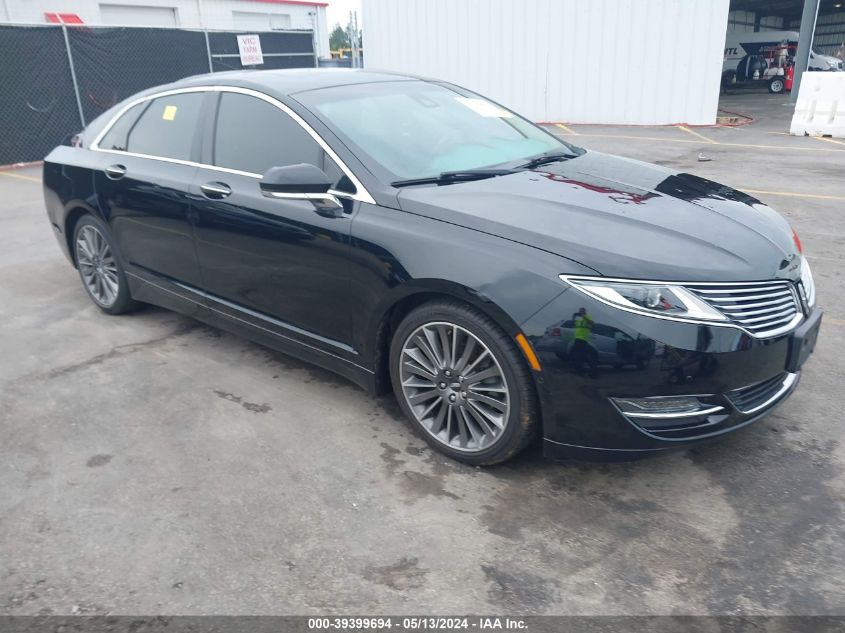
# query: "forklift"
763 64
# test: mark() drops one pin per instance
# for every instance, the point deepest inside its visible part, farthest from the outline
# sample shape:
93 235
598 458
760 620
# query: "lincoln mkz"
412 235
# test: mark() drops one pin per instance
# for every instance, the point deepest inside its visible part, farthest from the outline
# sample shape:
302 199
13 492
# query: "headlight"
808 283
648 298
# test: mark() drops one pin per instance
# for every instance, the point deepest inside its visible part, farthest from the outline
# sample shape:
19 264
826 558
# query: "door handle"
115 172
215 190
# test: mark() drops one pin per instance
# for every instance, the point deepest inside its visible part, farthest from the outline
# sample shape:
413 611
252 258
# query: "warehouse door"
125 15
255 21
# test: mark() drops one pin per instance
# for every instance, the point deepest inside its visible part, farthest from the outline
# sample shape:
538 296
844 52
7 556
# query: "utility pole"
352 33
201 14
805 43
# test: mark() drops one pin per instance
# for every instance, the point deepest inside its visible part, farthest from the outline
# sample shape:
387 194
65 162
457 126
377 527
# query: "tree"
338 38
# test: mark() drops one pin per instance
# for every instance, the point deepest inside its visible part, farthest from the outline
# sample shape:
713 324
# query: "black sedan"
414 236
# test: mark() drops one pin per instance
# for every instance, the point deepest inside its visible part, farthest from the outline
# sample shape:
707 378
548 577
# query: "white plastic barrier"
820 108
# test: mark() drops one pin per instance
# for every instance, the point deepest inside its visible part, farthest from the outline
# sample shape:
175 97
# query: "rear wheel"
99 266
776 85
463 383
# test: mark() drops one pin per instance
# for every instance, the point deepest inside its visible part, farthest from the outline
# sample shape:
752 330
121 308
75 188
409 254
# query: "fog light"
665 407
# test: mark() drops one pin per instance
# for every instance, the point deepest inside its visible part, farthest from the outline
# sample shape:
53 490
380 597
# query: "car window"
116 137
253 135
416 129
166 127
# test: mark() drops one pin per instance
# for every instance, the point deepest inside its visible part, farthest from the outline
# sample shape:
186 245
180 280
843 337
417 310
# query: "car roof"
292 81
278 83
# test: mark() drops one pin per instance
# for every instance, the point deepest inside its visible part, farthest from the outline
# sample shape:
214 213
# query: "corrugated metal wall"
583 61
829 38
744 22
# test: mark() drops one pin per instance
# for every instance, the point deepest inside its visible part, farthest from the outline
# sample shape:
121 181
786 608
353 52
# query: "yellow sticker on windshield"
169 113
484 108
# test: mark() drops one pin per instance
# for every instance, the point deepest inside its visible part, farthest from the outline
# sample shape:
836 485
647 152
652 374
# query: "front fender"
413 255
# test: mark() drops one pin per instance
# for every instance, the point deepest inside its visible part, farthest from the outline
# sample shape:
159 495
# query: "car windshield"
417 129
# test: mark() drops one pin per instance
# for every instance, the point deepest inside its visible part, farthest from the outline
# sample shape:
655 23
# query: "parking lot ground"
150 464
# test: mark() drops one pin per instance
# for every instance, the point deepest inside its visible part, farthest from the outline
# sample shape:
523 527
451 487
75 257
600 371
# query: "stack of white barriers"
820 108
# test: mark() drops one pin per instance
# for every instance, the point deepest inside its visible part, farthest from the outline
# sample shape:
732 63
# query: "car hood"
623 218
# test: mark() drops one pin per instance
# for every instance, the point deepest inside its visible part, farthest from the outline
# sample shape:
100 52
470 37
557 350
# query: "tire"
464 428
776 85
100 266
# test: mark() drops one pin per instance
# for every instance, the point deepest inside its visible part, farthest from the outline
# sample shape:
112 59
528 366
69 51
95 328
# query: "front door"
276 264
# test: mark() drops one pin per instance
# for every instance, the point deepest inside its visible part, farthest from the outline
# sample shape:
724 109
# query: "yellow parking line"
792 194
9 174
829 140
567 129
818 138
694 133
639 138
683 140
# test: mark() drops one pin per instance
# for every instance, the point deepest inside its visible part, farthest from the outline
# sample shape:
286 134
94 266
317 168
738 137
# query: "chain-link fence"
56 79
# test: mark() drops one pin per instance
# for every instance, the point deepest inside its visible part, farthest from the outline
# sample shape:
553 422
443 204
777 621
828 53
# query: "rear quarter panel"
68 179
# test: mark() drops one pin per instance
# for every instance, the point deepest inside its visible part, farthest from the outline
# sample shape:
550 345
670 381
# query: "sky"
338 12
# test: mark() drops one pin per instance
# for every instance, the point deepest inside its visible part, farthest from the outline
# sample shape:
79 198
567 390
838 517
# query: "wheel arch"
74 211
391 311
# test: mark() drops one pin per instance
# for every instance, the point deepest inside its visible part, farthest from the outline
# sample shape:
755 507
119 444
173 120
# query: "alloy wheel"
454 386
97 266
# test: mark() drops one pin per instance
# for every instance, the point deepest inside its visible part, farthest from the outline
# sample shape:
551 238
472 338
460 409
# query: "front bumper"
737 378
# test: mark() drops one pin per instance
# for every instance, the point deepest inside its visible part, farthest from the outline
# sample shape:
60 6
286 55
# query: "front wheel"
463 383
100 267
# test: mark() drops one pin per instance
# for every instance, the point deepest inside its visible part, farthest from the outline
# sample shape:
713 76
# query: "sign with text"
249 47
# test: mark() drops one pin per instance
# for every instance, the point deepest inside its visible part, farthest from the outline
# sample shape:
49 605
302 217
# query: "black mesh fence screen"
220 63
38 101
114 63
280 50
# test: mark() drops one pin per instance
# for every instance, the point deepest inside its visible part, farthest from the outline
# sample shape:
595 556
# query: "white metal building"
247 15
582 61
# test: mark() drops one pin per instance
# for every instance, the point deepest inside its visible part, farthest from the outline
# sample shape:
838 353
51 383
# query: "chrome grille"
764 308
756 397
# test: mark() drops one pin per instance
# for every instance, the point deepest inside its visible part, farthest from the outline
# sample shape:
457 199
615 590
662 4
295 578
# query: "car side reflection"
586 347
586 344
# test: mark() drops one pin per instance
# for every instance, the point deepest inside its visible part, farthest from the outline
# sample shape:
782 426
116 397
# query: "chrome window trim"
361 194
788 327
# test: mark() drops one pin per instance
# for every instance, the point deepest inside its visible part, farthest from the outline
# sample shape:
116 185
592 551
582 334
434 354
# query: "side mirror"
301 178
302 182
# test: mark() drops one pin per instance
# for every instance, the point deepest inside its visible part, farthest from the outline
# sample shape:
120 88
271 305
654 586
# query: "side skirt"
156 292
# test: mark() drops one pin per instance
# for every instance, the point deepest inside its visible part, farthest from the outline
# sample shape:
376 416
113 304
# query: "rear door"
143 186
276 264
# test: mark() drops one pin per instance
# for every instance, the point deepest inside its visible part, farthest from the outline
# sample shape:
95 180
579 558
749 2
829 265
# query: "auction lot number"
415 623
